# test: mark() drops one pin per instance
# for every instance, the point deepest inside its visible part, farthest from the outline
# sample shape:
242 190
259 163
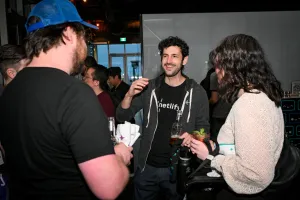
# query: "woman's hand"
200 149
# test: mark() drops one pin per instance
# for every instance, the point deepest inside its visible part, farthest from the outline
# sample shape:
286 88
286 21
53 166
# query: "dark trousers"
153 183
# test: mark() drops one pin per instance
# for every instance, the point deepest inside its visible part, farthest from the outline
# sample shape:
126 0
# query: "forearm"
128 107
125 104
122 177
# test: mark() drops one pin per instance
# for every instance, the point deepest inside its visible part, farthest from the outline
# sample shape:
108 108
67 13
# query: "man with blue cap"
53 129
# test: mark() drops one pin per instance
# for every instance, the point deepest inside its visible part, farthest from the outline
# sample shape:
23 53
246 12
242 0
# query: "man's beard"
78 63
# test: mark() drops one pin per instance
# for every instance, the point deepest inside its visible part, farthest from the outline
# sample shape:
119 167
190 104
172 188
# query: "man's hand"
186 139
124 152
137 87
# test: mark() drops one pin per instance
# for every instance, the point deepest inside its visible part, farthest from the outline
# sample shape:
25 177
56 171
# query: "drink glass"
176 130
112 129
201 135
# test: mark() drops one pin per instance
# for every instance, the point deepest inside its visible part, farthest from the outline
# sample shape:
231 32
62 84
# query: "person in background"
96 78
89 62
12 60
160 99
219 108
205 83
254 125
53 129
119 87
212 95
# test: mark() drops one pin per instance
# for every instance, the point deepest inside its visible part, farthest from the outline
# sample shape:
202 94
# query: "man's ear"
185 60
11 73
69 35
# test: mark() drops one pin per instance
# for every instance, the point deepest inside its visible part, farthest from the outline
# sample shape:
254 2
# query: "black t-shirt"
118 94
169 102
121 90
50 122
221 108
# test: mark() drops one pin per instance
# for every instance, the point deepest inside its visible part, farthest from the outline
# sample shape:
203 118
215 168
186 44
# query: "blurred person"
54 132
161 99
219 108
205 83
254 126
88 62
119 87
96 78
12 60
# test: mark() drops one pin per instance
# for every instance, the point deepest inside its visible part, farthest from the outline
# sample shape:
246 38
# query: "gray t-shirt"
221 108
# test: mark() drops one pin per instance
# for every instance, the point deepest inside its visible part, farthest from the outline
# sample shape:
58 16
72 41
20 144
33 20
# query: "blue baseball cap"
53 12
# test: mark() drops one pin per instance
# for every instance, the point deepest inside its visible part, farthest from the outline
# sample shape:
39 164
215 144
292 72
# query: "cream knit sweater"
256 127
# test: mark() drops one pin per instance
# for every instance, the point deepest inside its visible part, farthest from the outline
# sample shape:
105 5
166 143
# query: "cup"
112 129
201 137
176 132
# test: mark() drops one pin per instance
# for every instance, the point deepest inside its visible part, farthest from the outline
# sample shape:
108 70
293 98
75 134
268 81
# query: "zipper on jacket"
156 102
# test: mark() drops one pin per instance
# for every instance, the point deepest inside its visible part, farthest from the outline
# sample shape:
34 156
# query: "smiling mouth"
168 67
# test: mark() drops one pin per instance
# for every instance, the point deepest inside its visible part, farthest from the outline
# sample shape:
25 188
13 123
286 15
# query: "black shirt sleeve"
84 124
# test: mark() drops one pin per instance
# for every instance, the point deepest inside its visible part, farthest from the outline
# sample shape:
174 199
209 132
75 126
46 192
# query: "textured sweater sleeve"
257 128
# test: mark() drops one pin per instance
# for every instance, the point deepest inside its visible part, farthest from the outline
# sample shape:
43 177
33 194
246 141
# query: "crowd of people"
55 140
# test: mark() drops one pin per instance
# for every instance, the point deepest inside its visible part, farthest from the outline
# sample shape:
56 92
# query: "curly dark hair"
174 41
243 60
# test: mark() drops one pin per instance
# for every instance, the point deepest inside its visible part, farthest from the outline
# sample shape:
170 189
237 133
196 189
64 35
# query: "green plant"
199 135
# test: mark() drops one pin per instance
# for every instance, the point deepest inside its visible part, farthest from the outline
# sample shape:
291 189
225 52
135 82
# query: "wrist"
120 159
127 95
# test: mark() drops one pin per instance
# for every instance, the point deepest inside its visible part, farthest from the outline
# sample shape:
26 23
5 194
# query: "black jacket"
195 112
